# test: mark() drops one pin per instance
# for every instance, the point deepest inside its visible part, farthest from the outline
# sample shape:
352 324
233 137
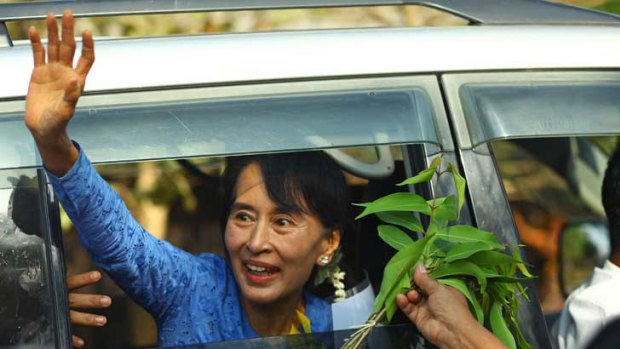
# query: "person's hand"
55 87
78 301
442 315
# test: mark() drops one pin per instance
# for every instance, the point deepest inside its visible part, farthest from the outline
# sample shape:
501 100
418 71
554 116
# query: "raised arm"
145 267
55 87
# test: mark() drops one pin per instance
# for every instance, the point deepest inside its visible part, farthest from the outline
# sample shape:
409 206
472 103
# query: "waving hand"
55 87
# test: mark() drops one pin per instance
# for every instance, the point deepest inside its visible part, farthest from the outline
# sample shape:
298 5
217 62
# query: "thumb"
72 92
423 281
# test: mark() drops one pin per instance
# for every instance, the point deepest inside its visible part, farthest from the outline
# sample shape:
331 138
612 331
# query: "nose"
259 239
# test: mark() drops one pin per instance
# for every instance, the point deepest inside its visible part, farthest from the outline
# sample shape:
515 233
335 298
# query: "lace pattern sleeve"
150 271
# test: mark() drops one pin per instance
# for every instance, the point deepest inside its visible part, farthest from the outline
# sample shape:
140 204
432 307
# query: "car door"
542 119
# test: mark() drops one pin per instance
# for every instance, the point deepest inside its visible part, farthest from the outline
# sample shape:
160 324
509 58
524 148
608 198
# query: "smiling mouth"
260 270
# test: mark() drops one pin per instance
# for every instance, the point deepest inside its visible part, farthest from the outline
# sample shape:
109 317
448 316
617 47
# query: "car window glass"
552 185
177 200
26 307
495 111
144 131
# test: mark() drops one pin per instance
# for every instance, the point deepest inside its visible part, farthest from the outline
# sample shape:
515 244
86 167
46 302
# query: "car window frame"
50 206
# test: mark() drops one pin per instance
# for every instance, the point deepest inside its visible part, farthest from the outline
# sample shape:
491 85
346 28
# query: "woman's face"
272 252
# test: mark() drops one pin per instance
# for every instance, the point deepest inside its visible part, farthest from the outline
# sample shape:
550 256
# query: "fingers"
63 51
81 301
424 282
81 280
409 308
86 319
67 46
403 303
77 341
38 51
87 58
53 44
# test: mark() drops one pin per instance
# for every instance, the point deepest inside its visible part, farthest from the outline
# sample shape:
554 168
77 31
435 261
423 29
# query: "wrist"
58 154
471 335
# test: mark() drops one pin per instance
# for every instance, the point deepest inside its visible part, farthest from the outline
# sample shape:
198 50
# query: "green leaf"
445 208
394 237
466 233
437 226
404 284
522 291
500 291
395 202
403 219
460 268
520 265
397 268
499 326
465 250
423 176
473 301
491 259
442 245
436 162
459 184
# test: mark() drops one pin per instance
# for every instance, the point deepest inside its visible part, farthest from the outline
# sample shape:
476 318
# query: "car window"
207 122
550 109
554 185
195 130
27 312
177 201
525 105
521 124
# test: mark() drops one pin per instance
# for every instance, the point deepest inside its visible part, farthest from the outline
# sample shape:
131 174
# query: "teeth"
256 268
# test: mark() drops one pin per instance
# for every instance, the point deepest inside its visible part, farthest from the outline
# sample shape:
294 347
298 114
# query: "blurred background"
275 20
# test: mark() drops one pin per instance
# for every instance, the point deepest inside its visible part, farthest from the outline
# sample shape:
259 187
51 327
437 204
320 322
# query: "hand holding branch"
442 315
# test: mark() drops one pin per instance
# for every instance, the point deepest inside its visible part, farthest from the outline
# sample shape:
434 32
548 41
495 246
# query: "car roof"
571 42
147 63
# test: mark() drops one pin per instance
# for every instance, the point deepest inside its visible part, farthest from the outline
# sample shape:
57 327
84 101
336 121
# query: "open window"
164 151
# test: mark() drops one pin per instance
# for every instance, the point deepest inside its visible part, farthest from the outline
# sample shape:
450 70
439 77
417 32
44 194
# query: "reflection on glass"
25 300
550 183
584 246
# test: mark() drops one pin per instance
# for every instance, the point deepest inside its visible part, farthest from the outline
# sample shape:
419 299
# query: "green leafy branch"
471 260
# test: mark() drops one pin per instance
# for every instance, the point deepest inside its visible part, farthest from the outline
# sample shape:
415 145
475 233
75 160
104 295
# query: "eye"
242 217
284 222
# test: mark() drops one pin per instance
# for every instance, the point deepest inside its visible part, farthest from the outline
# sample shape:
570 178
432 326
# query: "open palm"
55 86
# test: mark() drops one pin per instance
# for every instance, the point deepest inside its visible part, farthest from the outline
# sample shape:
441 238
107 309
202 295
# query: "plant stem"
357 339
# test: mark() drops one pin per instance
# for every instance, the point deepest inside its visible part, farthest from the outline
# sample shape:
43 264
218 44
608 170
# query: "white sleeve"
580 321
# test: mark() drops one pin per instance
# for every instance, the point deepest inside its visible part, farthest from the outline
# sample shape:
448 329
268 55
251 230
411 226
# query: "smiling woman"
285 215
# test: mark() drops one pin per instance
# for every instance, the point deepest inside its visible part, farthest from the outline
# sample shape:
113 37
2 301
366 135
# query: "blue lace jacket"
194 299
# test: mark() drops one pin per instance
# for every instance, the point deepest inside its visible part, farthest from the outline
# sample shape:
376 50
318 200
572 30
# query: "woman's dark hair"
309 182
611 198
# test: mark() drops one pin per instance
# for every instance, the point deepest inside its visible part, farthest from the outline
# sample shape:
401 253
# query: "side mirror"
583 246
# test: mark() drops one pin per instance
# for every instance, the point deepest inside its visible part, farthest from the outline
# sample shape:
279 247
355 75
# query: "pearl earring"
323 260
